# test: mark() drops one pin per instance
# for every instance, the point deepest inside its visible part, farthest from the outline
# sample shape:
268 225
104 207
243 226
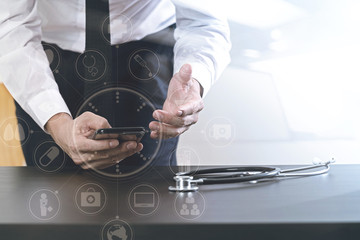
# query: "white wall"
259 133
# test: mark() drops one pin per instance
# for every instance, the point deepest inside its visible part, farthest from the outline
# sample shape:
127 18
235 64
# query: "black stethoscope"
188 181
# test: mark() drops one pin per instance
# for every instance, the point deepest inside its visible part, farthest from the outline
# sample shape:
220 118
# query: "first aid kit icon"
90 198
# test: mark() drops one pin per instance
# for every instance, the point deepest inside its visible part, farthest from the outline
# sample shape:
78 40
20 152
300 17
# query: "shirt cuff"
45 105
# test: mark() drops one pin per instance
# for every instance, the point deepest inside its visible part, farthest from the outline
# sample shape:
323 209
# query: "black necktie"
96 60
97 24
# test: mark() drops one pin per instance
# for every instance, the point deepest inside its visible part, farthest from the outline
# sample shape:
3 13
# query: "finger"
98 164
191 107
125 149
85 160
167 131
101 164
168 118
155 135
95 156
92 121
185 73
89 145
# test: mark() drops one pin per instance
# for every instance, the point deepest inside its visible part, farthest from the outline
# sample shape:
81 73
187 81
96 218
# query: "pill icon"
49 156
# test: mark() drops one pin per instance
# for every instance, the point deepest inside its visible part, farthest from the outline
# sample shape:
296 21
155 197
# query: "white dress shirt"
202 40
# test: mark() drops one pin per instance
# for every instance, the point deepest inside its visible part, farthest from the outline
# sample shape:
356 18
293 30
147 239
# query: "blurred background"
291 92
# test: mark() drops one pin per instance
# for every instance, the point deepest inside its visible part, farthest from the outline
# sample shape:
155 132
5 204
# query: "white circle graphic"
44 204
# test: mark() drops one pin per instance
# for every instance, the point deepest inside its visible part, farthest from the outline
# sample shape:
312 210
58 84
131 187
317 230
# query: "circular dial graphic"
124 107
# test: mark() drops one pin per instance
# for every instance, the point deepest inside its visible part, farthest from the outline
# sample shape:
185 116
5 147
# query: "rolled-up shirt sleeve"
24 67
202 39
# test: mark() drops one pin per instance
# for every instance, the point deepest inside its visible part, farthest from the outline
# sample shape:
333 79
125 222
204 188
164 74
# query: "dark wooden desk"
318 207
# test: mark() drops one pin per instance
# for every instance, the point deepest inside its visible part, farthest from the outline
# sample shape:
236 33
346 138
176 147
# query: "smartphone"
121 133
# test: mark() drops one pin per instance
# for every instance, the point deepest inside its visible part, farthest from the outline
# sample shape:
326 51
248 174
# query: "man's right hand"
74 137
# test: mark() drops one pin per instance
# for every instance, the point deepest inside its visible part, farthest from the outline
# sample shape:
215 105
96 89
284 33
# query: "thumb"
185 73
89 120
98 122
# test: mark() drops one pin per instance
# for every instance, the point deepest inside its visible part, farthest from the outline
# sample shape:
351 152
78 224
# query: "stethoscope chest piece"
184 184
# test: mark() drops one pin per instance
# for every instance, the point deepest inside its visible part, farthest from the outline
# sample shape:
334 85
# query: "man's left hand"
181 108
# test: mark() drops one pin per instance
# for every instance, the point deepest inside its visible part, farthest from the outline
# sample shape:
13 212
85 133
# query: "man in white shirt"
201 52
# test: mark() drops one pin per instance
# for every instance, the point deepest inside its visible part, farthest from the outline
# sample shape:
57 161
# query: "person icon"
184 210
43 203
195 210
44 209
189 200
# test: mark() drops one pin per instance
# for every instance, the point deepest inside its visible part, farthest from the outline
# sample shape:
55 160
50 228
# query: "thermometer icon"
142 63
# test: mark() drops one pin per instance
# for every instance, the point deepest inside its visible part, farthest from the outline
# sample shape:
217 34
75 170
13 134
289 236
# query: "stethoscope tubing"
286 172
265 172
242 174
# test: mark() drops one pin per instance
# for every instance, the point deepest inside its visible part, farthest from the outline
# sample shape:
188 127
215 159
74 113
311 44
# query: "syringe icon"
142 63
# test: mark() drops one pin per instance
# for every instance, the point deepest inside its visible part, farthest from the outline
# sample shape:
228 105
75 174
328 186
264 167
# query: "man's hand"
74 137
181 108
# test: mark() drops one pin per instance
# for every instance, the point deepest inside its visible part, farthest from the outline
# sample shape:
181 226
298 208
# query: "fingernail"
186 68
155 128
156 116
155 134
179 113
131 146
114 143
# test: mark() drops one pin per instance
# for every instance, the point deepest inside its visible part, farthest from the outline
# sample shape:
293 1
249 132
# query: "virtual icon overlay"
144 199
49 157
53 56
44 204
220 131
144 64
189 205
117 229
90 198
13 130
138 111
91 65
123 27
105 30
187 160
